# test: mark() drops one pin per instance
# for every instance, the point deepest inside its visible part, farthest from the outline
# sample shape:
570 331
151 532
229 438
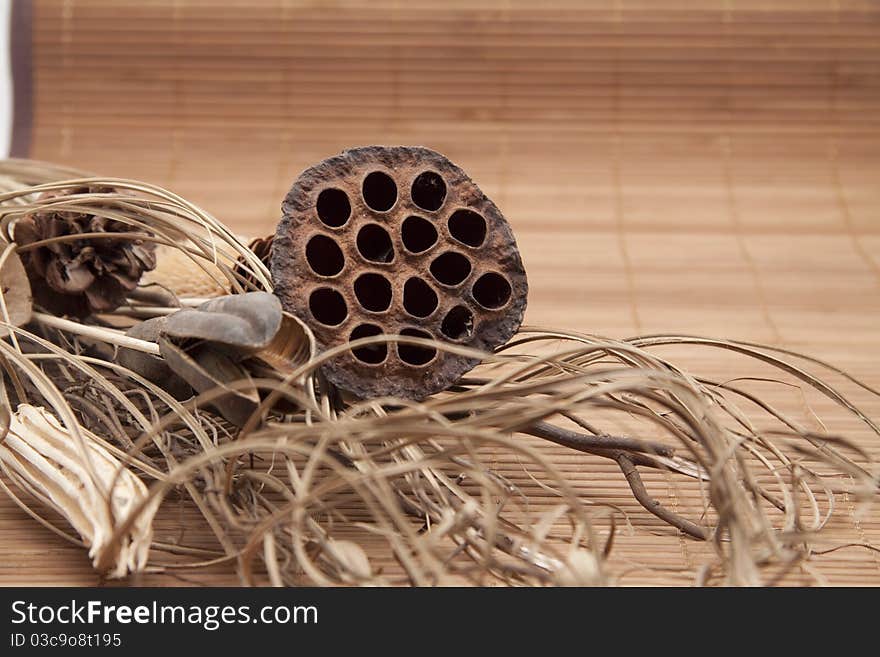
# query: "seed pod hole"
374 244
418 234
415 354
333 207
419 299
380 191
429 191
372 354
451 268
492 290
328 306
324 256
458 323
373 292
467 227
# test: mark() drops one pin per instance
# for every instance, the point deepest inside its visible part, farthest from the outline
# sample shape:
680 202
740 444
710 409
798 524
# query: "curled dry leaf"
292 345
245 323
42 457
151 367
206 368
15 290
221 342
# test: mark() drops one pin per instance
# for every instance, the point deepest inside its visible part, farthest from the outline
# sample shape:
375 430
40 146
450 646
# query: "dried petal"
70 278
105 294
145 255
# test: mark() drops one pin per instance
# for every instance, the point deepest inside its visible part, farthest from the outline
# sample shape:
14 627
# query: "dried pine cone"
262 248
81 277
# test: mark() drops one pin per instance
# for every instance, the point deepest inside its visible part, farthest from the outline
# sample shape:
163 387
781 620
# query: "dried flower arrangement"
132 388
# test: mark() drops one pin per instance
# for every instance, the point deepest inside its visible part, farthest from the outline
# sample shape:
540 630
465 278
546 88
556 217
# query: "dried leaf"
292 345
151 367
16 292
212 345
206 368
42 457
245 323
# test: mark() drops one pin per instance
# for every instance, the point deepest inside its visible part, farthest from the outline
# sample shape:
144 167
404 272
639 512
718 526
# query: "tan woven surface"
702 167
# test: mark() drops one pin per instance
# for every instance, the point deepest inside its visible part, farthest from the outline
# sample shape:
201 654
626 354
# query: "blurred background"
666 164
5 79
708 167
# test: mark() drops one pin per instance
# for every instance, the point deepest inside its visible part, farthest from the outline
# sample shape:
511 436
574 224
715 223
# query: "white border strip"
5 79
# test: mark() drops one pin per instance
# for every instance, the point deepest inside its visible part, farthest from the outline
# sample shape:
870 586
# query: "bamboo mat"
667 166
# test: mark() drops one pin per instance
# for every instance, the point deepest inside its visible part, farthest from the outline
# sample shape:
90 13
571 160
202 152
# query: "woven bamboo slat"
667 165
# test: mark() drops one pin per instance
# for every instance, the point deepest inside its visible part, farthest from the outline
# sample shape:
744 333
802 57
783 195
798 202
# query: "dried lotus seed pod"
397 240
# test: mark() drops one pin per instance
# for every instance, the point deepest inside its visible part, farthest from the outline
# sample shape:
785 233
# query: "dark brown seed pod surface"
397 240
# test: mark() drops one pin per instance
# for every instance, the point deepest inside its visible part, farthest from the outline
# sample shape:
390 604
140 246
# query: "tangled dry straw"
311 490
